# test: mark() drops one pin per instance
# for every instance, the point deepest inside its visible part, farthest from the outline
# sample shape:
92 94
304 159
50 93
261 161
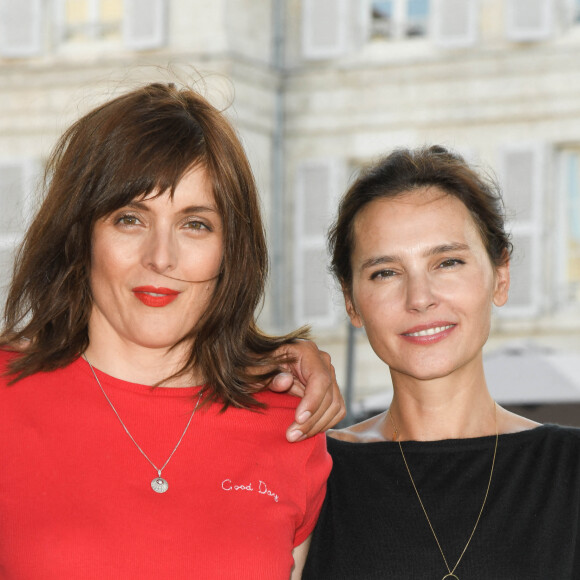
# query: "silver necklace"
158 484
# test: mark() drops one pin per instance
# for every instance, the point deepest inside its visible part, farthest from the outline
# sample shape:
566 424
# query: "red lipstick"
425 334
156 297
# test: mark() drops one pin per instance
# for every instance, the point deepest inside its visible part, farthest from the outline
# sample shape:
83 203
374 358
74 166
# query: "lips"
155 297
429 333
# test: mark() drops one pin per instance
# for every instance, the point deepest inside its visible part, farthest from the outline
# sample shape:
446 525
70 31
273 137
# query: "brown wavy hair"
137 144
405 170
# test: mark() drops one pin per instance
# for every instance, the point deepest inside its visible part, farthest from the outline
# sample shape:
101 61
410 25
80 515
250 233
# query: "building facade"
317 89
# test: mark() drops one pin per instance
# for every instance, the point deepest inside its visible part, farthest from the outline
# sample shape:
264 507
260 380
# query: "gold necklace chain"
158 484
451 572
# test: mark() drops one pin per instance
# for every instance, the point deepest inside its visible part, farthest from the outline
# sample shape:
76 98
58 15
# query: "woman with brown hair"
137 440
445 483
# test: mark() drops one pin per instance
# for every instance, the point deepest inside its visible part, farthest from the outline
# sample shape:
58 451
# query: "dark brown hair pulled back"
405 170
137 144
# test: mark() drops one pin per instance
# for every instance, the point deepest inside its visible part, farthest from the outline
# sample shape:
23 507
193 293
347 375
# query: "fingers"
322 406
281 383
323 419
286 383
311 377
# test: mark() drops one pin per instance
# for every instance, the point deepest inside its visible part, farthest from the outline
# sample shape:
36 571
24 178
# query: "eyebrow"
434 251
444 248
186 210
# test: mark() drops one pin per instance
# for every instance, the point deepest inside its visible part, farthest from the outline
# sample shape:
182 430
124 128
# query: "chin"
158 342
427 372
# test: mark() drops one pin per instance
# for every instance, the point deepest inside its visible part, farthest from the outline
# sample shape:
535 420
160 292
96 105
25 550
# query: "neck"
443 408
145 366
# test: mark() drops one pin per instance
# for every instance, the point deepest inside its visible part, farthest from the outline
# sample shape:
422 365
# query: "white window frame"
576 12
439 12
131 38
533 228
9 241
518 34
571 12
352 24
26 7
311 49
561 229
93 26
307 241
30 172
401 22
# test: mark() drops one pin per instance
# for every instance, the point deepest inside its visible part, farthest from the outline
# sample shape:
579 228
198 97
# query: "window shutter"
144 24
16 185
317 189
324 28
361 22
567 231
522 169
17 179
528 20
454 23
20 28
6 268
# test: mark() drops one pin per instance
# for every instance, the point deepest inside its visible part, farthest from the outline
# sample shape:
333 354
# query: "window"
82 20
144 24
576 11
318 187
449 23
568 229
455 23
21 28
528 20
544 220
136 24
332 28
400 18
523 169
417 17
17 180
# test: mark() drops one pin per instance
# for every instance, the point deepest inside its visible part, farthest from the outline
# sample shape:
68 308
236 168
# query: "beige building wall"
81 52
318 88
497 80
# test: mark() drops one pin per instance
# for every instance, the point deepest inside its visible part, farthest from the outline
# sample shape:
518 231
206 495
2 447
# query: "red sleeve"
316 471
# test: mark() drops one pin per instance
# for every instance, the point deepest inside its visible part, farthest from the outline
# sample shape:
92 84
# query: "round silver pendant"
159 485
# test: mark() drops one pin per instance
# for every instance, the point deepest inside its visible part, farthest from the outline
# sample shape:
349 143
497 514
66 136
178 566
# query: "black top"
372 525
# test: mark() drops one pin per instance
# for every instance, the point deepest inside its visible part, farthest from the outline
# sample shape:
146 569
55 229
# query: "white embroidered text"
262 488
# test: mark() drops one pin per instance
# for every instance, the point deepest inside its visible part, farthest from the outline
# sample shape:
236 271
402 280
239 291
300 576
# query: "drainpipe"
348 391
277 229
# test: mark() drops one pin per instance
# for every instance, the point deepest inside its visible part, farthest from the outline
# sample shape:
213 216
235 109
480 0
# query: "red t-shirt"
76 498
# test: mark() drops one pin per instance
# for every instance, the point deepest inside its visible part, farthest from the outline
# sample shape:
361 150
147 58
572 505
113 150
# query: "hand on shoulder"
312 378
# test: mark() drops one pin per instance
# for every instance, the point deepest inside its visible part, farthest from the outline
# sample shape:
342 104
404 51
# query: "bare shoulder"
508 422
370 430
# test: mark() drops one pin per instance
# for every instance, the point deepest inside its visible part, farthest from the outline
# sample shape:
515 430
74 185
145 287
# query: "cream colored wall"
388 94
222 48
356 107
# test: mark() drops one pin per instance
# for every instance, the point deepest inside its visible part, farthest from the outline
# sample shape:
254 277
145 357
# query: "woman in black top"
445 484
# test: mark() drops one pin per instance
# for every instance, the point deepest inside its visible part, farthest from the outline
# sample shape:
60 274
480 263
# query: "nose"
160 250
420 295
